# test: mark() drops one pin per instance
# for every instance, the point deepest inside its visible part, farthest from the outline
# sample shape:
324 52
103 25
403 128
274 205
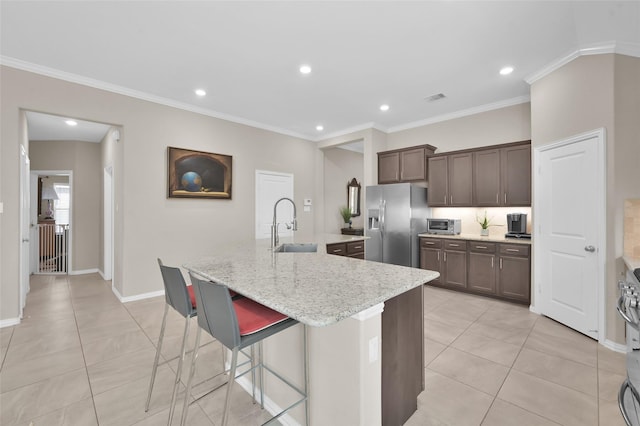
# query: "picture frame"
198 174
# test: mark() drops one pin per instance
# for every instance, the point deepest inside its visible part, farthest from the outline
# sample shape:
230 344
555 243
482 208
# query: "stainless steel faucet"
274 226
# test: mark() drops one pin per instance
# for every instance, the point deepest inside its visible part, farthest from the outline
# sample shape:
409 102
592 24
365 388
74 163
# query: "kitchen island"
341 301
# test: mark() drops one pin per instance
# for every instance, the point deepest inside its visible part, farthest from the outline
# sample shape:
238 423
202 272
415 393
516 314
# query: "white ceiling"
45 127
246 55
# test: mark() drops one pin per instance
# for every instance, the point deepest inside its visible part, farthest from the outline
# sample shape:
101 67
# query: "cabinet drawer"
355 247
480 247
514 249
339 248
455 245
430 243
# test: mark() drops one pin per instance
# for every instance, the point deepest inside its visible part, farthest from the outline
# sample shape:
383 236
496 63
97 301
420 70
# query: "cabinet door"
460 179
486 178
437 192
455 268
514 278
413 165
516 175
431 259
482 273
339 249
389 168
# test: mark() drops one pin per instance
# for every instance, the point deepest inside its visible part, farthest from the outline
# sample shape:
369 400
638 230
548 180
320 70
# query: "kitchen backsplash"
468 215
632 228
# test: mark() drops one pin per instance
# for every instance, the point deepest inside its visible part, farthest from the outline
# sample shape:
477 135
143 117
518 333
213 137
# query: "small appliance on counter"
443 226
517 226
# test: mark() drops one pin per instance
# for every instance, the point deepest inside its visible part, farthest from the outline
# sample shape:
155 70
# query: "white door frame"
107 273
601 225
25 228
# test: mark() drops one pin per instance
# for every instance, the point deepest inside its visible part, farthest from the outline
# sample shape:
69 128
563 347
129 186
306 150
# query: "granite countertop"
475 237
317 289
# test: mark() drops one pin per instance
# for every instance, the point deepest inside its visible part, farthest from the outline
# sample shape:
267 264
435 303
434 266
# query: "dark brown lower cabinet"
402 356
353 249
500 270
482 267
514 273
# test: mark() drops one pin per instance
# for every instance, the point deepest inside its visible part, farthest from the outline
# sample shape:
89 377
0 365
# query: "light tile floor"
80 357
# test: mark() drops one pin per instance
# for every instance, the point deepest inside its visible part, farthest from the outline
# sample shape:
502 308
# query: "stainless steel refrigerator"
395 215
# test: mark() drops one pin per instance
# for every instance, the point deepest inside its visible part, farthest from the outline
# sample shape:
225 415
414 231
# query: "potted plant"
345 212
485 223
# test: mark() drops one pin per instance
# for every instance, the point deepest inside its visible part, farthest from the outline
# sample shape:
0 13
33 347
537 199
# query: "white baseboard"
269 405
102 274
617 347
142 296
83 271
9 322
532 308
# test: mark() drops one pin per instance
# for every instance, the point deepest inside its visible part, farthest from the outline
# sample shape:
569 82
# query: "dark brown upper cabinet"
493 176
450 180
404 165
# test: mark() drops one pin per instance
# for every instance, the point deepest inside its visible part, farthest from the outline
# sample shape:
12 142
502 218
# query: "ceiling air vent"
435 97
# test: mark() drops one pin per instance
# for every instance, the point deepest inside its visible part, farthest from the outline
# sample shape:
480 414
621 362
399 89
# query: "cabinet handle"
402 175
497 199
445 198
438 256
454 245
500 263
492 262
514 250
481 247
505 198
445 256
337 250
429 243
450 199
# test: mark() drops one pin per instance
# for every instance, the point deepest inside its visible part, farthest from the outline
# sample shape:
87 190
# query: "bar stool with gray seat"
237 324
180 297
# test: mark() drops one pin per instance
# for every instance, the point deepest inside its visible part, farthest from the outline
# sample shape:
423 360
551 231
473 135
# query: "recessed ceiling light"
506 70
200 92
319 127
384 107
71 123
305 69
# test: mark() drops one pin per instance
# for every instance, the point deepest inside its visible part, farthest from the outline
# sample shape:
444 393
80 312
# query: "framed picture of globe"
198 174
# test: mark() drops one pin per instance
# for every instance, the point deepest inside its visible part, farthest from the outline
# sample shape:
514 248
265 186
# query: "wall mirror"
353 197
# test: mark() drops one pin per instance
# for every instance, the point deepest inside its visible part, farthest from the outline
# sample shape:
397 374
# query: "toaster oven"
443 226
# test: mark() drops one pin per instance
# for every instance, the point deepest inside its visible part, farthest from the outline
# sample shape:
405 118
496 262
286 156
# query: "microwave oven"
443 226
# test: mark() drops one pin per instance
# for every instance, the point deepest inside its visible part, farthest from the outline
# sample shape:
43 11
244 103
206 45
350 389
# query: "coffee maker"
517 225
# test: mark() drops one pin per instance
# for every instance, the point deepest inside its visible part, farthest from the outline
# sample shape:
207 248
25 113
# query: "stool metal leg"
260 360
253 373
192 370
185 337
305 356
232 378
155 362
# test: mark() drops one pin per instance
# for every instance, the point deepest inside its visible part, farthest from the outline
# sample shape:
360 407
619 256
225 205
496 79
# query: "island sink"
297 248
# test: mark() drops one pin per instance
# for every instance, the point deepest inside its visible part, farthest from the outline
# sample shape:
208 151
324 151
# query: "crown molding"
462 113
622 48
344 132
97 84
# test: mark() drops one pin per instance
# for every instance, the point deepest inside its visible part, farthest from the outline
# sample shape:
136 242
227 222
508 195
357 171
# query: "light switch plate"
307 201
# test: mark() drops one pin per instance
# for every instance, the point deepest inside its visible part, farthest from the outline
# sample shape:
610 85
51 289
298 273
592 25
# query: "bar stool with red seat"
237 324
180 297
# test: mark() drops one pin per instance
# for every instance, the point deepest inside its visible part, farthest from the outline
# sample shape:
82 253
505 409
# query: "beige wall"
589 93
83 159
509 124
148 225
340 166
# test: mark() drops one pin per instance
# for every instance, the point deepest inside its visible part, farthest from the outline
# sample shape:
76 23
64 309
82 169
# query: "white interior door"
270 187
570 223
25 228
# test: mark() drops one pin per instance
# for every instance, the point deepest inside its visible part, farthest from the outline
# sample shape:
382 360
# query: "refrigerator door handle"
383 211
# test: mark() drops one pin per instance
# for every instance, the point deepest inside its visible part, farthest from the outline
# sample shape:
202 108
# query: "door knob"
25 240
590 249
